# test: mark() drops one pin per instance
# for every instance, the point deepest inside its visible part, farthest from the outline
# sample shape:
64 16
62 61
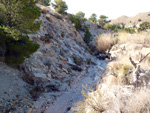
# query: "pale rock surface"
51 67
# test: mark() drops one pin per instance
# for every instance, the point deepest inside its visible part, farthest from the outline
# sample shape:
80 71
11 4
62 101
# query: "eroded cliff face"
62 54
60 62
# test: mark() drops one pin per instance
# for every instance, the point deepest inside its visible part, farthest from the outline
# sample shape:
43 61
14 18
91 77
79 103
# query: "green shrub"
16 21
81 15
144 26
76 60
118 28
129 30
93 18
76 20
112 27
102 20
89 61
139 20
87 36
18 50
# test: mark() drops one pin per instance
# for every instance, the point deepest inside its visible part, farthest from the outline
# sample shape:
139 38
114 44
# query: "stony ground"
65 100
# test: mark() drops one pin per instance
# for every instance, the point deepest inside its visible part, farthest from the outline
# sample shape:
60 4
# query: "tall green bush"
17 19
87 35
102 20
76 21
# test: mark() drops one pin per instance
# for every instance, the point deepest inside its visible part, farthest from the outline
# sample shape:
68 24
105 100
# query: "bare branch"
132 62
141 56
144 57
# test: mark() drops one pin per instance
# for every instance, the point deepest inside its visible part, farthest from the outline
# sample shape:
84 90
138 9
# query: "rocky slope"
61 62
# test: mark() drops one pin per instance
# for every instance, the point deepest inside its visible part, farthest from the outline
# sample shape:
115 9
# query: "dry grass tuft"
138 38
105 42
115 99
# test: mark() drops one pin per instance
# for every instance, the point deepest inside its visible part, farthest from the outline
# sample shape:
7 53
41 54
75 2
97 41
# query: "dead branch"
132 62
144 57
137 67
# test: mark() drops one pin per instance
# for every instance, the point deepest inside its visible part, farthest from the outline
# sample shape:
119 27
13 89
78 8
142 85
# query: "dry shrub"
114 94
105 42
118 72
122 37
44 10
136 55
137 38
115 99
48 17
58 16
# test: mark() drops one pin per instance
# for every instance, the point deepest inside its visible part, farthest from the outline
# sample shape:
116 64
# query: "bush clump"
76 21
77 60
93 18
144 26
112 27
87 35
118 28
15 23
139 20
81 15
89 61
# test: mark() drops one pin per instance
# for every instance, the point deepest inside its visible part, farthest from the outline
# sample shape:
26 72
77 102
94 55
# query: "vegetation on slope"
119 28
76 21
124 84
17 19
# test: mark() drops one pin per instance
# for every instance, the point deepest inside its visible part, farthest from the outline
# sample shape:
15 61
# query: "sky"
110 8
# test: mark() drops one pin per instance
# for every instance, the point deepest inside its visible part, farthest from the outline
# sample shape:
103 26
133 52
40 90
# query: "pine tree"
17 19
76 20
102 20
80 14
93 18
60 6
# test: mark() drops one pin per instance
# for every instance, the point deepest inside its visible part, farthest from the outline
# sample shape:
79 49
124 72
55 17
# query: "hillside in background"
131 21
